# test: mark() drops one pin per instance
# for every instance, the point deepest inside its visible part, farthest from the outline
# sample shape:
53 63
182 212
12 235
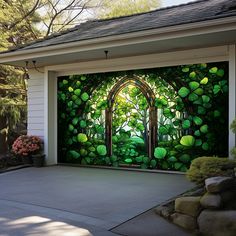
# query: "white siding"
36 104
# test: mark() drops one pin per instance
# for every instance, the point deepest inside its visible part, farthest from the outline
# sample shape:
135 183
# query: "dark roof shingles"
170 16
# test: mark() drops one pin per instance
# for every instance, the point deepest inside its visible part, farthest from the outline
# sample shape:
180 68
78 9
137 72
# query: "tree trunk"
3 135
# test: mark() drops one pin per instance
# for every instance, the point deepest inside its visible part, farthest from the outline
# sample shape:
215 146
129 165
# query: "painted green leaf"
164 165
83 152
78 101
197 120
92 155
220 73
187 140
100 129
172 159
201 110
74 154
193 85
216 113
82 138
70 104
213 70
78 83
82 124
178 165
153 163
205 98
198 91
204 80
216 89
74 97
204 129
179 147
192 75
70 141
102 150
167 113
83 78
198 142
163 130
205 146
185 158
183 92
70 89
207 105
77 92
185 69
128 160
71 127
84 97
160 152
146 160
139 159
183 168
113 158
65 81
75 121
192 97
88 160
186 124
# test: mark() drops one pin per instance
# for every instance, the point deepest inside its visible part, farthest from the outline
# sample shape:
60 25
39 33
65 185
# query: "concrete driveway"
63 200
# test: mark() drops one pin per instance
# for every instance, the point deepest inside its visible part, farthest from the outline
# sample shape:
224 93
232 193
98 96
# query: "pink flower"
26 145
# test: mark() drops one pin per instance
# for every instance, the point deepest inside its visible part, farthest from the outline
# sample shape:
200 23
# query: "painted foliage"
191 105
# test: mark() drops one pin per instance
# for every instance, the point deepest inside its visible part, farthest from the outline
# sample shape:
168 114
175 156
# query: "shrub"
26 145
205 167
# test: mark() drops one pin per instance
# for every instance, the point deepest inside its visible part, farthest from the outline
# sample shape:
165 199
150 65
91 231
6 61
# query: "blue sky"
166 3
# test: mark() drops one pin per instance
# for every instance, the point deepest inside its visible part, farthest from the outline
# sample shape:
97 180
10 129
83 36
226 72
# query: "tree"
116 8
21 21
58 15
17 26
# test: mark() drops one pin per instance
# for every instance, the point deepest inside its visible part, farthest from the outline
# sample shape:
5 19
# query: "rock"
217 223
188 205
185 221
164 211
218 184
211 201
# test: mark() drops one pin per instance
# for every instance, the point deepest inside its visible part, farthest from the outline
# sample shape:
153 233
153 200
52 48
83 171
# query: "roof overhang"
194 35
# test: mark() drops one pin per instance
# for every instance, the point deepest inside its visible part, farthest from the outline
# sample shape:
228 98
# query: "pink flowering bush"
26 145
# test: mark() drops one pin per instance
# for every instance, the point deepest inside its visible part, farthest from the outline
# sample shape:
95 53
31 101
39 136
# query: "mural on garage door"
154 118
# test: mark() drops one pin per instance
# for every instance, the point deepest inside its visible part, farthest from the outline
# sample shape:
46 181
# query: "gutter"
179 31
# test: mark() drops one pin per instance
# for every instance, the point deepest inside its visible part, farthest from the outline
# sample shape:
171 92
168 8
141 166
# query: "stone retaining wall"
212 212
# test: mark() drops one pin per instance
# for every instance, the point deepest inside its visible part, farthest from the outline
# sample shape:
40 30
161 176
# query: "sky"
166 3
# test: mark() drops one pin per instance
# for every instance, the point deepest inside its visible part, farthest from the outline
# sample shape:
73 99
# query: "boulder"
188 205
217 223
164 211
185 221
218 184
211 201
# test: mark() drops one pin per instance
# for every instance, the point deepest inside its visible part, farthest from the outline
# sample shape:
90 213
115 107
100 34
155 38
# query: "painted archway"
149 95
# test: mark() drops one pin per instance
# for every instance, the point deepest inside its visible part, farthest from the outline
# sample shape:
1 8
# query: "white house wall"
36 103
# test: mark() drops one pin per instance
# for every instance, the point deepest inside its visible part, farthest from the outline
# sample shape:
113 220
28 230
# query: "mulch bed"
9 162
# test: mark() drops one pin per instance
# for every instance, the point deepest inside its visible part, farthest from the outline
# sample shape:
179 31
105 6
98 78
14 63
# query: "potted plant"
29 147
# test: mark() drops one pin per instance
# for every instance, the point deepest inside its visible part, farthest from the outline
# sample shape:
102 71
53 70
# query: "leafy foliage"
205 167
188 109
